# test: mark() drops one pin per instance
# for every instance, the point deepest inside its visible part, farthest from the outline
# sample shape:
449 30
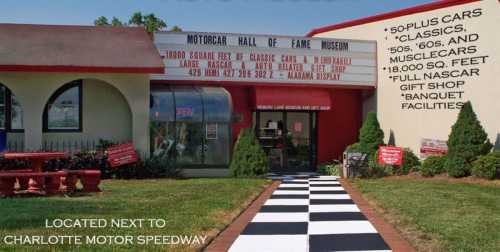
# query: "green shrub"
375 170
466 142
331 168
457 166
371 135
159 166
355 147
487 166
433 165
410 162
249 159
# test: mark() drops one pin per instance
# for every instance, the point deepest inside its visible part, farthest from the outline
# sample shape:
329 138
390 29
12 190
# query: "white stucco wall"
483 90
104 110
105 115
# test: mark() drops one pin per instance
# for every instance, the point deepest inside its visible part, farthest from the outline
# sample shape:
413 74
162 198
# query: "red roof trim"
408 11
81 69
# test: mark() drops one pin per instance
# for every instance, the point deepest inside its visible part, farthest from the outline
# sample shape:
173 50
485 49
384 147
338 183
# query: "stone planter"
90 180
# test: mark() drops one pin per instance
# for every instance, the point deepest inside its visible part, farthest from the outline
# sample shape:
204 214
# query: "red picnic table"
37 159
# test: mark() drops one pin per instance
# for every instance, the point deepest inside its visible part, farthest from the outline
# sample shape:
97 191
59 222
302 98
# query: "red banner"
388 155
121 154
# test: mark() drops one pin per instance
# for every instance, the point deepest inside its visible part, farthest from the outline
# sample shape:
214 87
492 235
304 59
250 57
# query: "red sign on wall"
433 147
121 154
388 155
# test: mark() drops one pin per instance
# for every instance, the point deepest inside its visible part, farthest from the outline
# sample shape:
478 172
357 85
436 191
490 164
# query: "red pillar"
339 126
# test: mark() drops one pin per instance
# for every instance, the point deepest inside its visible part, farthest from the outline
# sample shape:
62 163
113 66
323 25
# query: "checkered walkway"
309 214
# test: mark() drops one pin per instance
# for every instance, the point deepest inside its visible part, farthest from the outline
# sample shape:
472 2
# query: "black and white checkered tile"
309 214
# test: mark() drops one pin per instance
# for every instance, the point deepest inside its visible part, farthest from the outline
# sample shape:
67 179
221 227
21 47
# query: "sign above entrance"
266 59
280 98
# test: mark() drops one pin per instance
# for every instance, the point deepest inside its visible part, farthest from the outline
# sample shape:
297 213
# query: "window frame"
8 111
54 96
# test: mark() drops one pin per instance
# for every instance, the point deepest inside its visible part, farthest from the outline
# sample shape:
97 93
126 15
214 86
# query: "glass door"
298 141
288 138
270 134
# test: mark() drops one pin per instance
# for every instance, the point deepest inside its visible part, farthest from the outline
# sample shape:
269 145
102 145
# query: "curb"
391 236
225 239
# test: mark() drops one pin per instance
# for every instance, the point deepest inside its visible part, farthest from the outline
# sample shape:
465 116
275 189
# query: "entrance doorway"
288 138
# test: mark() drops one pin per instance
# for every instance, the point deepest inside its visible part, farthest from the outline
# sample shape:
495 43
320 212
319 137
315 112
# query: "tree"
466 142
150 22
370 134
248 157
101 21
176 29
136 19
116 22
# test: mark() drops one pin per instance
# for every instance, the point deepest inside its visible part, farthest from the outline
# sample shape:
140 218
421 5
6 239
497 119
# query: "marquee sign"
266 59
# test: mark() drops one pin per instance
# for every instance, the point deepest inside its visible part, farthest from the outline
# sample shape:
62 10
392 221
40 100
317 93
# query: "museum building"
431 58
191 93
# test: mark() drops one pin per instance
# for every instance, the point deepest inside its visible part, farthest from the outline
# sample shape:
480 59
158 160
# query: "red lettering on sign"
184 112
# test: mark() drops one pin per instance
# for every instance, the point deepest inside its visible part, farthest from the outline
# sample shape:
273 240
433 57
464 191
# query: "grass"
437 215
190 207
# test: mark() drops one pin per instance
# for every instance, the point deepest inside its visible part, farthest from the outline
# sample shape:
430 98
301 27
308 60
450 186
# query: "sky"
279 17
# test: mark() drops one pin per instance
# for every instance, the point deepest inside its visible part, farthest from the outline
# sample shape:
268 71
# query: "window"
63 112
11 112
217 117
2 107
193 122
16 114
162 124
189 126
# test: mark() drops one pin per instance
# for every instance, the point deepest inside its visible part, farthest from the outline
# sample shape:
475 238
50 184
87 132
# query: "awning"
282 98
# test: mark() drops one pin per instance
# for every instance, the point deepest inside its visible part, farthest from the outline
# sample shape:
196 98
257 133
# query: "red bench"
51 181
90 180
23 181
